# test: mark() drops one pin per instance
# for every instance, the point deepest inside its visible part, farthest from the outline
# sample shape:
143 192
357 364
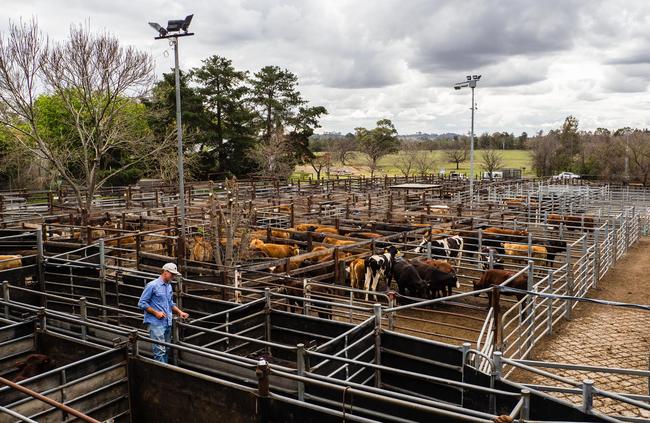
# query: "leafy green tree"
378 142
223 90
275 96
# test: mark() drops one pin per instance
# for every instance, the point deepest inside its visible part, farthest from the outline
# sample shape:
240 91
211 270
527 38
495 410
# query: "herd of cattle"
419 276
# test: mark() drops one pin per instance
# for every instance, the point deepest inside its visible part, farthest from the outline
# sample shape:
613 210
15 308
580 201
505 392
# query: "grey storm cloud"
369 59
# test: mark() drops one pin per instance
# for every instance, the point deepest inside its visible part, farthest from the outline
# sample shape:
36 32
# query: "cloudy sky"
369 59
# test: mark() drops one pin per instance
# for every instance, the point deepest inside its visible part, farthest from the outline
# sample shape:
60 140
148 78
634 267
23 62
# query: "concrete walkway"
606 336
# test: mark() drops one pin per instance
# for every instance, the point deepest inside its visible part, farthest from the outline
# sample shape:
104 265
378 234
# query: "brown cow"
357 273
504 231
304 227
571 222
364 235
200 249
274 233
495 277
274 250
327 230
10 262
537 252
442 265
33 365
338 242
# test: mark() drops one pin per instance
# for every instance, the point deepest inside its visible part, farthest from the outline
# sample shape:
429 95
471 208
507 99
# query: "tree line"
599 154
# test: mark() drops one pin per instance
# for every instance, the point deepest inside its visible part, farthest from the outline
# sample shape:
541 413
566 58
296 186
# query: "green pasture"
520 159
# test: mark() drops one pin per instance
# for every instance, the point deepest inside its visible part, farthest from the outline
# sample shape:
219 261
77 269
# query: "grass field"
520 159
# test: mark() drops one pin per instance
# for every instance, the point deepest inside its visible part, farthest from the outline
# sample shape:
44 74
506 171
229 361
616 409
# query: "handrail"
49 401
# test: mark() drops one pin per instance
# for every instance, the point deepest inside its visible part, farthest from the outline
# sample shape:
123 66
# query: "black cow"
408 280
437 281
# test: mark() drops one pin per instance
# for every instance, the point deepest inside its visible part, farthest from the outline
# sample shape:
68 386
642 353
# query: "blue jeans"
160 333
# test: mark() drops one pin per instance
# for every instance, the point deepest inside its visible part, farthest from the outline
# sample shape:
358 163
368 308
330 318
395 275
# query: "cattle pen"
288 338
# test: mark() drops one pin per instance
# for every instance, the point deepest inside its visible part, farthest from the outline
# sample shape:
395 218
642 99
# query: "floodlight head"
457 87
186 23
469 77
474 77
175 25
162 31
478 77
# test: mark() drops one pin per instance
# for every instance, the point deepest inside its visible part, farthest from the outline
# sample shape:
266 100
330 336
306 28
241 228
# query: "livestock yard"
283 325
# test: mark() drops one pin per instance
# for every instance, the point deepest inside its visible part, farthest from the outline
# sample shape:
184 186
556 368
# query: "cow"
357 273
379 265
520 251
306 227
442 265
274 233
554 247
484 259
437 280
33 365
496 277
326 230
408 280
201 249
274 250
504 231
571 222
339 242
449 247
364 235
10 262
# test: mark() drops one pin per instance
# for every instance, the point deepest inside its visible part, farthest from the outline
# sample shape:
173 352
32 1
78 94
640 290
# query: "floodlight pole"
179 133
471 152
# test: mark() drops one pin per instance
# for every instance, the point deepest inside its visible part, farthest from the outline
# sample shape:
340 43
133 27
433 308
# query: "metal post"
179 132
300 370
102 276
471 155
587 395
596 257
267 313
480 246
377 311
40 261
498 364
5 297
306 306
83 312
569 282
525 409
491 258
465 350
262 372
175 340
549 307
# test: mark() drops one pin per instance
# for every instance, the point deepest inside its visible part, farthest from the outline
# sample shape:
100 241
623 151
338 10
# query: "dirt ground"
600 335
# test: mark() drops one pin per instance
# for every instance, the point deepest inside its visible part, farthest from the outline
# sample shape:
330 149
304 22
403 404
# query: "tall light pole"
627 155
471 81
172 32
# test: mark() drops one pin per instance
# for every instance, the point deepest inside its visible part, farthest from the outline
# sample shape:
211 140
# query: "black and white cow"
379 265
449 248
484 259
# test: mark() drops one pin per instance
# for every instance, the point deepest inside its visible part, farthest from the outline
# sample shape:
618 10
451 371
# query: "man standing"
158 304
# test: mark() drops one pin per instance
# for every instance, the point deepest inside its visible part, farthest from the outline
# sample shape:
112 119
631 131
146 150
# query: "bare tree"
274 157
457 154
492 160
425 162
407 157
94 77
320 162
342 149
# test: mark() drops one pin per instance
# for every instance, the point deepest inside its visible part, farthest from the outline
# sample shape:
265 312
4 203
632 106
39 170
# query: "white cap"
171 268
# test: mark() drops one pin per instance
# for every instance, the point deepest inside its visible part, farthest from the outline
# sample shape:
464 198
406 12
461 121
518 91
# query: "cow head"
392 250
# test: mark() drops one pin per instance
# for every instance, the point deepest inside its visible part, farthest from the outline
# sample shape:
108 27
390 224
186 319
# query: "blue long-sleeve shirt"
159 296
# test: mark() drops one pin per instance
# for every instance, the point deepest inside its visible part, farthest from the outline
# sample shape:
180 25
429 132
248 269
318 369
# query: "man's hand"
183 315
160 315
